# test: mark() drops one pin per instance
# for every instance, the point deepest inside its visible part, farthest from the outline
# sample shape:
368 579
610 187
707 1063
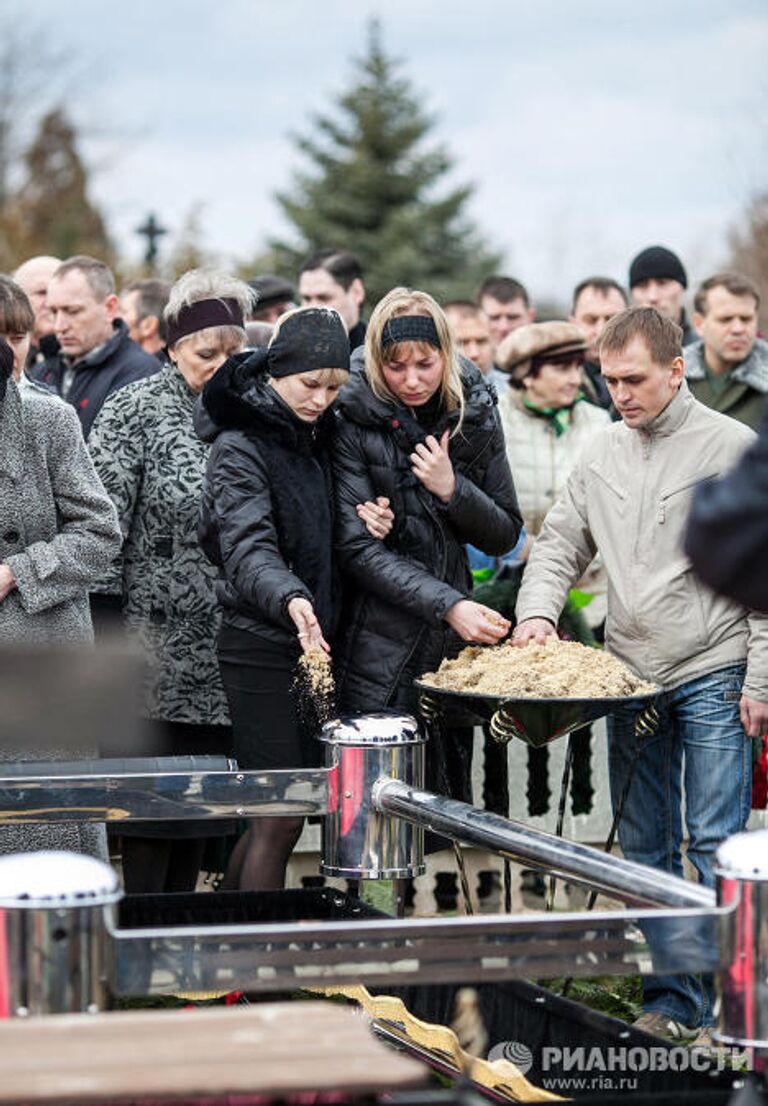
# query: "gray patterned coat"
58 533
152 462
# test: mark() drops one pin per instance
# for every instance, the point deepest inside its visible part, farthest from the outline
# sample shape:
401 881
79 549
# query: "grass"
617 996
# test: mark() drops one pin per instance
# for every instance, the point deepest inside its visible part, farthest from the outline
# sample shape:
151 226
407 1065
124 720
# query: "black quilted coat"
266 515
397 591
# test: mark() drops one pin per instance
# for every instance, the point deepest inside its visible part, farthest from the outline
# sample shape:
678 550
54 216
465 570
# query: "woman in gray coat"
152 462
58 533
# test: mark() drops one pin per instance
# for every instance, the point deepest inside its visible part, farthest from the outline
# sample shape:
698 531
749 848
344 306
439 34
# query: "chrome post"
742 987
359 842
53 935
622 879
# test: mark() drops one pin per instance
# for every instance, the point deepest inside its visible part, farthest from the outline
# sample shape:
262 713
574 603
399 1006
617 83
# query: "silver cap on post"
380 728
53 953
744 856
51 880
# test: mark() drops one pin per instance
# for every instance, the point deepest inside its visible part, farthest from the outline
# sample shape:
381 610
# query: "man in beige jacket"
628 498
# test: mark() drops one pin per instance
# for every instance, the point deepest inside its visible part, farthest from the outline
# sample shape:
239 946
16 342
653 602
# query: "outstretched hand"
431 465
304 619
476 622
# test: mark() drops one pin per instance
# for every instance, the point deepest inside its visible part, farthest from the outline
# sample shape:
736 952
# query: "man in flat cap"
658 279
627 498
274 295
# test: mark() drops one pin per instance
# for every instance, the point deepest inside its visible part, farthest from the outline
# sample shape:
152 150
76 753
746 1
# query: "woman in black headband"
266 521
419 427
152 463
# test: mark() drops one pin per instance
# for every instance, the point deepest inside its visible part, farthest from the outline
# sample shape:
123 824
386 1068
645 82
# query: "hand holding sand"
476 622
533 629
305 620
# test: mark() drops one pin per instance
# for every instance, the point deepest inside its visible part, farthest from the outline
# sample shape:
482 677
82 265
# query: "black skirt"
269 729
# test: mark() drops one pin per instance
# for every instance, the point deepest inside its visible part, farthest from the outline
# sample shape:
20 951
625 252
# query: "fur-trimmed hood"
753 370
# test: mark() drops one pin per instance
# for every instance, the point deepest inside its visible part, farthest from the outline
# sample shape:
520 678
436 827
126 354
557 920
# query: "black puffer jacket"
398 591
266 514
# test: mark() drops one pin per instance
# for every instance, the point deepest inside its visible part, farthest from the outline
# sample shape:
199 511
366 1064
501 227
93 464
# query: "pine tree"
374 190
51 212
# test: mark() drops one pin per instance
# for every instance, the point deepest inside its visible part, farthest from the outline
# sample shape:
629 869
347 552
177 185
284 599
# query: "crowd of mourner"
239 473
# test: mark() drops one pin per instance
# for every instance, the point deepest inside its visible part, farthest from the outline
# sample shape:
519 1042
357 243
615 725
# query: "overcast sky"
588 129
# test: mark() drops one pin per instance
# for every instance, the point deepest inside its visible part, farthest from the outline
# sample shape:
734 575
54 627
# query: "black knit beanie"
312 338
657 263
6 366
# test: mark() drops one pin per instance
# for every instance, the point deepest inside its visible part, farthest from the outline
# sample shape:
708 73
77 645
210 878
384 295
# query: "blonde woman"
419 427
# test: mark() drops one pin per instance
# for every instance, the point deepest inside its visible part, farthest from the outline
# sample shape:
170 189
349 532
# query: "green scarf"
558 417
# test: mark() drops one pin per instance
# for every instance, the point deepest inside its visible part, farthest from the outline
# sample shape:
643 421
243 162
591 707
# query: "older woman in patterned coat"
152 463
58 532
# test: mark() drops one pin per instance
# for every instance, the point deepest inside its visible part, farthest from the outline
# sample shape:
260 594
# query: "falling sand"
557 670
315 684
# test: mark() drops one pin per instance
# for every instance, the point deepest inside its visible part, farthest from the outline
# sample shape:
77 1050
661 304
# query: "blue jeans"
701 741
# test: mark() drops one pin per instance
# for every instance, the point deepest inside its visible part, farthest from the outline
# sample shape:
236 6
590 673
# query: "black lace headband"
312 338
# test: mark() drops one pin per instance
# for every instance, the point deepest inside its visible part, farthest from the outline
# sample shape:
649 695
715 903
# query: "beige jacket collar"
672 417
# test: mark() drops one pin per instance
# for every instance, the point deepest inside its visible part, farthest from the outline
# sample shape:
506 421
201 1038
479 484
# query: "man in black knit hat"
658 279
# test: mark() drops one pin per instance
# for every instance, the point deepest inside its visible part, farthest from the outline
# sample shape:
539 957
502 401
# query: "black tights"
260 857
269 735
152 866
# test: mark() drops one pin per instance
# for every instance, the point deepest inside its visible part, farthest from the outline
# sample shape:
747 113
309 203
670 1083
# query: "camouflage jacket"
152 463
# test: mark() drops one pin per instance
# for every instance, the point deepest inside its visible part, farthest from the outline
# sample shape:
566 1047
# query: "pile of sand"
558 669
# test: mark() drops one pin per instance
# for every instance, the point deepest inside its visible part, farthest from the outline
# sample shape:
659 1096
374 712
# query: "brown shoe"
663 1026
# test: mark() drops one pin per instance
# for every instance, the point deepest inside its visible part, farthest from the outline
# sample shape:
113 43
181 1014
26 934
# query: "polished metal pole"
620 879
742 884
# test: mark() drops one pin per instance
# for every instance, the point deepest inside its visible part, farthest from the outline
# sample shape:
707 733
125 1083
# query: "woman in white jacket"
547 421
